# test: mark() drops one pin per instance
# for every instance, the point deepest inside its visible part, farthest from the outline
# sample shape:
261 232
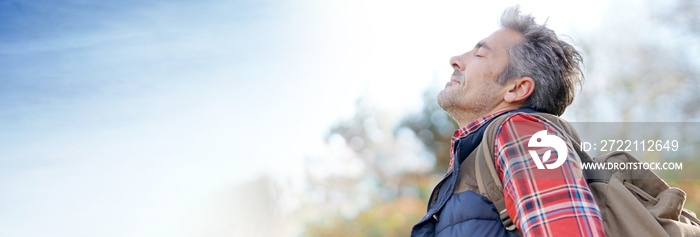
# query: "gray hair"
553 64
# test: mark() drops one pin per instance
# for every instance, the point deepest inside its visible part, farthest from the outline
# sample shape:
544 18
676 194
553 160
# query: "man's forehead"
501 39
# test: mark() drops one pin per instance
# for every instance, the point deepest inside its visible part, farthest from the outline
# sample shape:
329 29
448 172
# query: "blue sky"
115 118
123 118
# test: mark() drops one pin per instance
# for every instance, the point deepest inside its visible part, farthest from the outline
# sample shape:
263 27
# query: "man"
518 70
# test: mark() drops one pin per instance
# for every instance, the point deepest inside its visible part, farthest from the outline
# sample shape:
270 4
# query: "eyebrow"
482 44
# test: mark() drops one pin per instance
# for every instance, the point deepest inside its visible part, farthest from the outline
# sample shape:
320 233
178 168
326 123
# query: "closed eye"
478 53
480 46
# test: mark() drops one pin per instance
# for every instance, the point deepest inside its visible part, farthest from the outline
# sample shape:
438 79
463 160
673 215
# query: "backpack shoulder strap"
490 185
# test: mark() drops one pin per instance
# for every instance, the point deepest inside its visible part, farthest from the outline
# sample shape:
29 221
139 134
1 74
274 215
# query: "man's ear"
518 90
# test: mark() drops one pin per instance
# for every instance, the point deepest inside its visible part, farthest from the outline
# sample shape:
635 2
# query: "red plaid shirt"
541 202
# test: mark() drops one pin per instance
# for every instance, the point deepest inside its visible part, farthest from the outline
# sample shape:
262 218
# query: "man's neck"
464 119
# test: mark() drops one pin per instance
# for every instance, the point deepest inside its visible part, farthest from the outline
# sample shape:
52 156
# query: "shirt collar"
470 128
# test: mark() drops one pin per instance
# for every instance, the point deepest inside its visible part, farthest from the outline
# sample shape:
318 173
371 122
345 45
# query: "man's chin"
444 98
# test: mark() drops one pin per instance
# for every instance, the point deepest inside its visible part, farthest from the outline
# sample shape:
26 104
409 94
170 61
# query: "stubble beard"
459 104
448 98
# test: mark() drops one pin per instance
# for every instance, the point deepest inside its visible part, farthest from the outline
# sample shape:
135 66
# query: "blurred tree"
434 128
375 176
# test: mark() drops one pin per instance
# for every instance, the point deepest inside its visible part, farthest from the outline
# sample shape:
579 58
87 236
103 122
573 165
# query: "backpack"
632 202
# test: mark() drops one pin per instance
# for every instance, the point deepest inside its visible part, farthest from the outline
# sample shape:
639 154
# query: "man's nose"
457 63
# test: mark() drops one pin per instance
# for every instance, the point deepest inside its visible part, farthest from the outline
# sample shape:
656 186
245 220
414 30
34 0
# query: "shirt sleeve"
543 202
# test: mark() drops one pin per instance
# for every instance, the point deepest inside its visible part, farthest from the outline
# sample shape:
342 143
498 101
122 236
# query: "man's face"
473 87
